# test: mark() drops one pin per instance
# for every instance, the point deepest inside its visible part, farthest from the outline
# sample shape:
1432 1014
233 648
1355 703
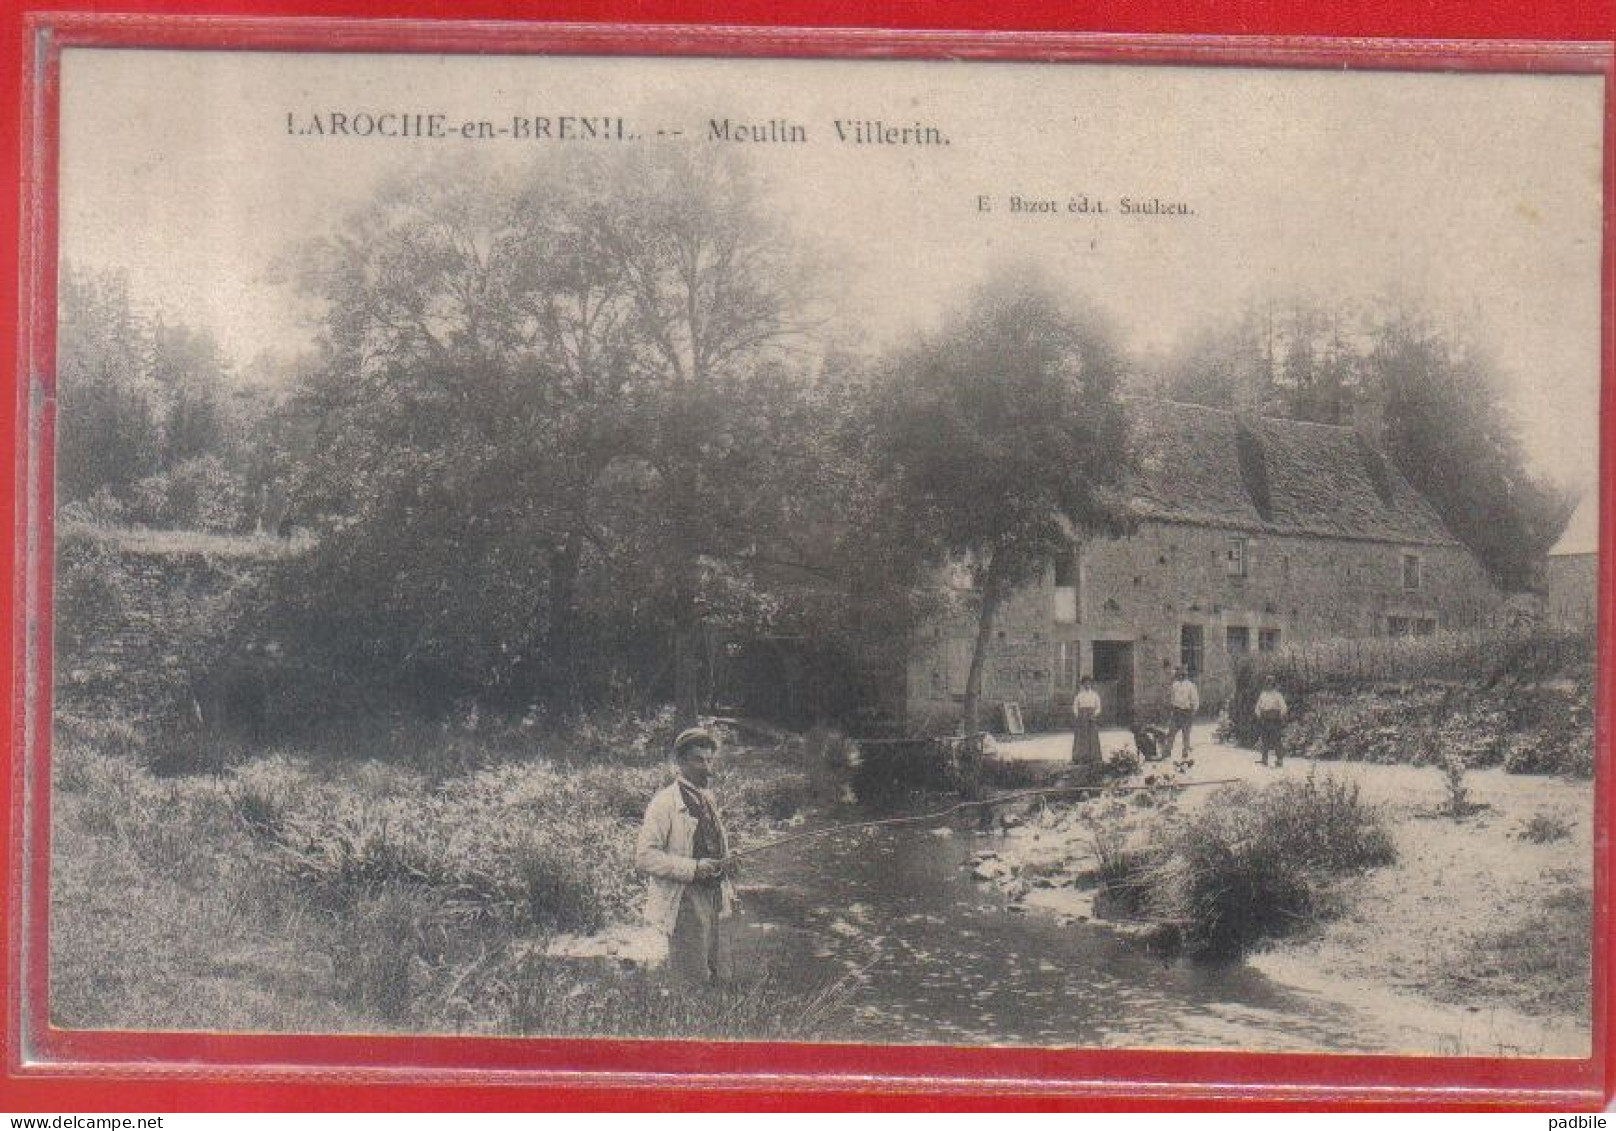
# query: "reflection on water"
937 958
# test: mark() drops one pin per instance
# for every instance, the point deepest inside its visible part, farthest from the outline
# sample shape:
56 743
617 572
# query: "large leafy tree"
1002 439
148 428
560 395
1448 430
107 433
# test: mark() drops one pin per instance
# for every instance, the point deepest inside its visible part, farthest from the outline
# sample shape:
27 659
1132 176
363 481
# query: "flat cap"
694 736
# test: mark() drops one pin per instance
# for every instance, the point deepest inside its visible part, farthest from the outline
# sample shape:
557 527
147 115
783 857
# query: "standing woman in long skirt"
1086 724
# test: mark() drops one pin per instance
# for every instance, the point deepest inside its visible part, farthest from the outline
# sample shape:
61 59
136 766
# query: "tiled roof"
1216 467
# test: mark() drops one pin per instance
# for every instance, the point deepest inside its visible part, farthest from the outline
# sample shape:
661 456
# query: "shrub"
1452 766
774 797
1229 881
1557 732
1546 828
1125 870
1324 823
617 733
1008 773
1247 865
557 891
1481 659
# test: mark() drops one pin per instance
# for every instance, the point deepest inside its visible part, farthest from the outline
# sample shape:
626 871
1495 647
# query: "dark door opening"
1113 679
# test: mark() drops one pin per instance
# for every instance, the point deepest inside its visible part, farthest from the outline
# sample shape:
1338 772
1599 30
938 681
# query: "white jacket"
663 852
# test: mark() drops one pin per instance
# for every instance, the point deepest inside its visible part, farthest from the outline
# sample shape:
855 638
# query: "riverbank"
342 884
1476 941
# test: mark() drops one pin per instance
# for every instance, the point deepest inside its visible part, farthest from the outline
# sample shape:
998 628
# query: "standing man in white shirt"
1186 700
683 849
1271 710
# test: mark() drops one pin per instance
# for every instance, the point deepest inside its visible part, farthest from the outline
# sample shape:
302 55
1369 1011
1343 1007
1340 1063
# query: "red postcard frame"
63 1070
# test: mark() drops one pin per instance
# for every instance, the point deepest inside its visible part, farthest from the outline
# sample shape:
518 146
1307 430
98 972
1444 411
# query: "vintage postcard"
1077 555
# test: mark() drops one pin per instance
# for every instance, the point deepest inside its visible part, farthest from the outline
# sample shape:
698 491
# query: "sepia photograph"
1084 555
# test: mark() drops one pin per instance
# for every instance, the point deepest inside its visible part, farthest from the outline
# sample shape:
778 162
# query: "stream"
932 956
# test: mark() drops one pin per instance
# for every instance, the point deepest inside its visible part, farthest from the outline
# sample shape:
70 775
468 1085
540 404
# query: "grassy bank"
347 883
1475 937
1544 727
1487 916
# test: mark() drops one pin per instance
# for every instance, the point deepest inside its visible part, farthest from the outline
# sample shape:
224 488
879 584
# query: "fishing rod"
1003 798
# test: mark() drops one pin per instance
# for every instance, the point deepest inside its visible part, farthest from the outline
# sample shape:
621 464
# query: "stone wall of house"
1141 590
1017 667
130 607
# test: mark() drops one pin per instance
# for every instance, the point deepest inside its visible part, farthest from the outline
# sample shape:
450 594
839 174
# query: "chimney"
1369 415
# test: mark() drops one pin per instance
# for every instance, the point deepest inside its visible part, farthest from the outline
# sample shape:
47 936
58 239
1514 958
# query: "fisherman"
1271 710
683 849
1185 700
1086 726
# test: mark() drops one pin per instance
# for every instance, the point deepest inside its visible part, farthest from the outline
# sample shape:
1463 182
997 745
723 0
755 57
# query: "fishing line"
1004 798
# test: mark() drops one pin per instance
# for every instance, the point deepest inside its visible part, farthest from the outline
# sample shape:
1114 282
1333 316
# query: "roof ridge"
1237 413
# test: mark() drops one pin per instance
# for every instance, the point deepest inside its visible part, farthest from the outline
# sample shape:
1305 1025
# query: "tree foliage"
1448 430
1002 438
148 428
577 396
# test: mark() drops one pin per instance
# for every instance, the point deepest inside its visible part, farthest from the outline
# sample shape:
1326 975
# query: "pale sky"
1480 193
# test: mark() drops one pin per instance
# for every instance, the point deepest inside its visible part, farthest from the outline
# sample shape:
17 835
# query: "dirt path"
1441 940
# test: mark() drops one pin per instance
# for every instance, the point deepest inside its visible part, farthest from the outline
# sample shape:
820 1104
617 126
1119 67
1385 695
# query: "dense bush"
196 494
1543 726
1247 865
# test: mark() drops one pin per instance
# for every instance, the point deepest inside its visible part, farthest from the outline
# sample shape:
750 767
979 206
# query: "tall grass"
1518 651
393 896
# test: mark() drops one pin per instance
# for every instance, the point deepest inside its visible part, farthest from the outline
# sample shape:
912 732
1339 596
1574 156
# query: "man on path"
1186 700
1271 710
682 848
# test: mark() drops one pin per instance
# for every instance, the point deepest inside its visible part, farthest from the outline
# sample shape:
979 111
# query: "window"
1066 579
1236 640
1411 571
1410 626
1234 557
1190 647
959 665
1268 640
1068 659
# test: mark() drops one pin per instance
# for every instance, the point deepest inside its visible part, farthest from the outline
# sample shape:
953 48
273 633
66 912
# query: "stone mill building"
1252 534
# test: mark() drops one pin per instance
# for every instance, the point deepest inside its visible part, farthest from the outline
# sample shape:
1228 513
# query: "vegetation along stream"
933 956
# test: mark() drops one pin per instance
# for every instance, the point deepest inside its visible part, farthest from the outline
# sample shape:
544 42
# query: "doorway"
1113 679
